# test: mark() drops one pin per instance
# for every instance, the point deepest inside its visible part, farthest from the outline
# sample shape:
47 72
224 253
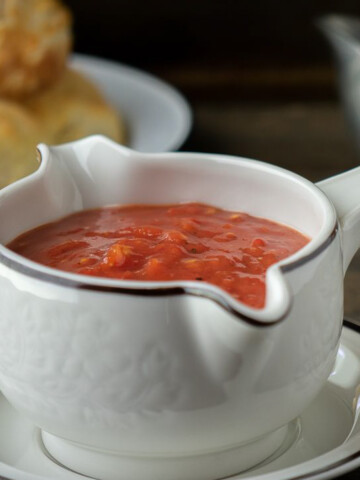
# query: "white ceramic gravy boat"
170 379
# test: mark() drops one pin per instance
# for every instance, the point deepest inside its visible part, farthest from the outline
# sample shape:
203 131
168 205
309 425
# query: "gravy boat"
170 380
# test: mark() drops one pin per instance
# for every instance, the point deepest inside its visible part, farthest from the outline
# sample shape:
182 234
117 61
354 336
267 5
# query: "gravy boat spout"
169 377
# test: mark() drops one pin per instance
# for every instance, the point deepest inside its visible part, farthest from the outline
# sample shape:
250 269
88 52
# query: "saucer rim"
325 472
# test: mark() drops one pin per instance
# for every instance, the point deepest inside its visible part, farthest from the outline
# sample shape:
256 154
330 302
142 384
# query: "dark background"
249 49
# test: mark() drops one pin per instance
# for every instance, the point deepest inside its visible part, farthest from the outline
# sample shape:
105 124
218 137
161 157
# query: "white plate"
323 443
157 116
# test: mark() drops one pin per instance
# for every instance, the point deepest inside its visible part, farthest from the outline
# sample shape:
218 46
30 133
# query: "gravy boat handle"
344 192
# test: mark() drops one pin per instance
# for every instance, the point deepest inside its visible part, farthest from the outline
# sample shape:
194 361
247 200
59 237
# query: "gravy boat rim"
259 317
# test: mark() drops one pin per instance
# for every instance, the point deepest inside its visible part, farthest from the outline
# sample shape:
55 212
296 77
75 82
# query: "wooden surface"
309 138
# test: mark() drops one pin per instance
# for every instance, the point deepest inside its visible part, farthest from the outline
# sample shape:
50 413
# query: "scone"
74 108
71 109
40 99
19 135
35 40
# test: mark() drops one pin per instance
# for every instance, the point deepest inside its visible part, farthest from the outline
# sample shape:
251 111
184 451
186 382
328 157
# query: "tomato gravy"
189 241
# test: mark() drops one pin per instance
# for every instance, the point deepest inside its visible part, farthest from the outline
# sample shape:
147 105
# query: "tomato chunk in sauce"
188 241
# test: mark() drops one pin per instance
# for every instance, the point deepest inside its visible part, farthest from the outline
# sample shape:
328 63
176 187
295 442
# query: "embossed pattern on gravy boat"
170 379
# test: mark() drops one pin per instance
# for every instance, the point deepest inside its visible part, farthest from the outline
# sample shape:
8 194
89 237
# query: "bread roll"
35 40
71 109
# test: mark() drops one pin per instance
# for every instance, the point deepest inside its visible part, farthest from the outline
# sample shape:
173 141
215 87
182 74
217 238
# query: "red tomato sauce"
188 241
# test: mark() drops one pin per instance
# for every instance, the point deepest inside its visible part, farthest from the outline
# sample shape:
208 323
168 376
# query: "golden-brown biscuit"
35 40
19 135
72 108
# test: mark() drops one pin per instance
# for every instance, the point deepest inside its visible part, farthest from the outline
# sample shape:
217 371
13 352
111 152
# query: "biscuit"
19 135
74 108
35 40
71 109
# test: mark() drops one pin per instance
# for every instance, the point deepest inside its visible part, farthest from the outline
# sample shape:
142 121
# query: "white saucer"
323 443
157 117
